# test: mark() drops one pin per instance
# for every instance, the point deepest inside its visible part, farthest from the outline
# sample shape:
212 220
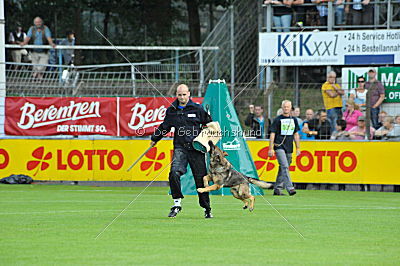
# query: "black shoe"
174 211
208 214
292 192
277 192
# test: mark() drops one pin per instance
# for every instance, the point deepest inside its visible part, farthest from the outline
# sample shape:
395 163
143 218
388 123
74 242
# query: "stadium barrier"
333 162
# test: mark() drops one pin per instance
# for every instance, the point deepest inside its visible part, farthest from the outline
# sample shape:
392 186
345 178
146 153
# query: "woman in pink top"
351 114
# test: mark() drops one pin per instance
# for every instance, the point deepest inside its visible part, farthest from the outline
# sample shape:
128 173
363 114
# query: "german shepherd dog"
222 174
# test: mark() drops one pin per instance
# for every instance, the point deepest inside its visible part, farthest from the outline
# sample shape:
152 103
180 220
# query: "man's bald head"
183 94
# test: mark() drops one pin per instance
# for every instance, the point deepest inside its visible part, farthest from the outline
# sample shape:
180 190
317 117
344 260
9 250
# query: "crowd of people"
341 119
38 34
315 13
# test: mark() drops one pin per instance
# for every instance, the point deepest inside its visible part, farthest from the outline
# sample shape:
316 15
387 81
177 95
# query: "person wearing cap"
332 96
188 119
17 37
377 95
358 132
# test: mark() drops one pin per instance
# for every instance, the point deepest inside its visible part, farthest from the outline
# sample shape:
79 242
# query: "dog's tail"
260 183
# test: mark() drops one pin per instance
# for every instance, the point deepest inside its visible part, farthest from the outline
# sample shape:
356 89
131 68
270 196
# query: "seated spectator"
304 126
389 129
351 114
319 127
256 121
361 11
381 116
340 133
359 94
358 132
397 120
68 55
282 14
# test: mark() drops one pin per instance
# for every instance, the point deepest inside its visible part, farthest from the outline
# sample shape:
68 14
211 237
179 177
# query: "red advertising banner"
141 116
34 116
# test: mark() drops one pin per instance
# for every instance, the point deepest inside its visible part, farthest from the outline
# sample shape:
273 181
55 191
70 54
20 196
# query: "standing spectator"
332 96
68 55
300 12
377 95
296 113
304 126
319 127
39 34
358 132
361 12
351 114
359 94
340 133
282 14
322 10
17 37
339 12
256 121
284 130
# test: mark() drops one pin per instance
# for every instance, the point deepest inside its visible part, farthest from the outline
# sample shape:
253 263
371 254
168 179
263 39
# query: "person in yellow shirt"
332 96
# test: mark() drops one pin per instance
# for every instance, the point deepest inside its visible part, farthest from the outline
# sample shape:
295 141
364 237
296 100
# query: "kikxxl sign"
33 116
108 160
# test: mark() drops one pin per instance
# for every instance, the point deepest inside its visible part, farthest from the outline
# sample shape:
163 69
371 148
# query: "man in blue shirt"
39 34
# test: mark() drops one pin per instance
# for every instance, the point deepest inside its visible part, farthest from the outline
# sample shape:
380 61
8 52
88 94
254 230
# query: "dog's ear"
225 153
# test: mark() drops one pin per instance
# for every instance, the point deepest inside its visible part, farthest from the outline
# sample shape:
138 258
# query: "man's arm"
338 90
297 142
162 130
380 101
48 37
271 151
26 41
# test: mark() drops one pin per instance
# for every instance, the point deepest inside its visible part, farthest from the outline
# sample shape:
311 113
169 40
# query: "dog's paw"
201 190
251 209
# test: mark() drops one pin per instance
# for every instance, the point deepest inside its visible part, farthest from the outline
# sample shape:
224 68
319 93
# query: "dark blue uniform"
188 122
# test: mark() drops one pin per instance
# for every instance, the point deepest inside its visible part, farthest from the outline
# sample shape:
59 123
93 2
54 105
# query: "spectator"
256 121
332 96
319 127
377 95
339 12
389 129
17 37
279 112
381 117
300 12
282 14
322 10
397 120
351 114
68 55
359 94
39 34
361 12
358 132
340 133
304 126
296 113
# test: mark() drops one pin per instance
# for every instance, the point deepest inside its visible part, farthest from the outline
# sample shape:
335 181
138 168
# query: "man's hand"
251 108
153 143
271 152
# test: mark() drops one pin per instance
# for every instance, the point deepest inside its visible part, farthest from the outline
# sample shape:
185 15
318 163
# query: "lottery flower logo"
40 160
152 162
265 163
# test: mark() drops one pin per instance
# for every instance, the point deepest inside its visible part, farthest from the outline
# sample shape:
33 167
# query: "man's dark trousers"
196 160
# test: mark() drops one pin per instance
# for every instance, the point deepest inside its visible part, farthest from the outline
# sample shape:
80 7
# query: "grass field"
54 224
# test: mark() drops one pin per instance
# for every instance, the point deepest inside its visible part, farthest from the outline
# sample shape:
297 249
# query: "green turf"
43 224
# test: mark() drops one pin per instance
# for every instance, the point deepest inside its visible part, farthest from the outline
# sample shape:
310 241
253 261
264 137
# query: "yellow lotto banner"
108 160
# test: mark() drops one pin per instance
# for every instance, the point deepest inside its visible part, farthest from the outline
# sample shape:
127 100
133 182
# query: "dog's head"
216 153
